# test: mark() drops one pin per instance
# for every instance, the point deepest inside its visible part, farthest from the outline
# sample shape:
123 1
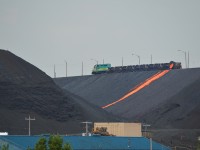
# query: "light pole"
188 59
66 67
185 57
96 61
138 57
82 68
54 71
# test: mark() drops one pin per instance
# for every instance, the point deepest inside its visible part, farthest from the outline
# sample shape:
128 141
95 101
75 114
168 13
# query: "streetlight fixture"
95 60
138 57
185 57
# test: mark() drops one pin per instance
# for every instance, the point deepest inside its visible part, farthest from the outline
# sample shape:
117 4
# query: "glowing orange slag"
140 86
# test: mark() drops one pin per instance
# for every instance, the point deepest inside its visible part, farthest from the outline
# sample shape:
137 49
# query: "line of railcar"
106 68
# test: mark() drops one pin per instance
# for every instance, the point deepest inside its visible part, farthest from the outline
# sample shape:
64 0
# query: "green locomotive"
101 68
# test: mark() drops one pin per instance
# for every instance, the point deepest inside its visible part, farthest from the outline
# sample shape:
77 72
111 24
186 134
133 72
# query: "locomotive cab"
100 68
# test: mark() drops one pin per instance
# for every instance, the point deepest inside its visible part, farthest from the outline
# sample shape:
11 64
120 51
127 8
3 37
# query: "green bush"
55 142
5 147
67 146
41 144
198 145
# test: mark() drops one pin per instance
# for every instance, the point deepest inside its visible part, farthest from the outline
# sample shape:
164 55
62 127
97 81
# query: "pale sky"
48 32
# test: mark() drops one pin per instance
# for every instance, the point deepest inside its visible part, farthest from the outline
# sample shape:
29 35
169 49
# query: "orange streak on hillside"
140 86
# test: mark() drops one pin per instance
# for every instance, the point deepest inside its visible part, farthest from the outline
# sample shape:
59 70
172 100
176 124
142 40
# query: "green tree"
198 145
28 148
41 144
67 146
55 142
5 147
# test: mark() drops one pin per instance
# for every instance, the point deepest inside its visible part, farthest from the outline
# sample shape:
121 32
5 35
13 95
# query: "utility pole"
188 58
151 59
66 67
82 68
29 124
86 127
103 61
54 71
150 140
185 53
138 57
145 128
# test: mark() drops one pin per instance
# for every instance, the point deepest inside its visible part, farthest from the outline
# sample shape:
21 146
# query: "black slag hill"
26 90
171 104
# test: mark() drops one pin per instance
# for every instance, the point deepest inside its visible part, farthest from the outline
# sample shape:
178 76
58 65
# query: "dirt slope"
180 111
177 90
170 104
102 89
24 89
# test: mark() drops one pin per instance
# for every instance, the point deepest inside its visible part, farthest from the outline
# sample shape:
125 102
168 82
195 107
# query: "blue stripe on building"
86 142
